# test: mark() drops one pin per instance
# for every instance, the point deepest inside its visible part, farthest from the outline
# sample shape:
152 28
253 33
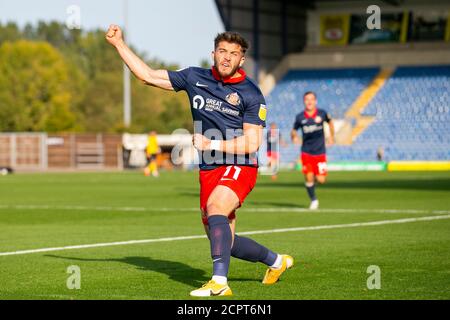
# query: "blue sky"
175 31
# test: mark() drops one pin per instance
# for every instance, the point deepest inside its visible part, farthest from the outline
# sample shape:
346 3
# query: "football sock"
220 279
249 250
310 188
277 263
220 239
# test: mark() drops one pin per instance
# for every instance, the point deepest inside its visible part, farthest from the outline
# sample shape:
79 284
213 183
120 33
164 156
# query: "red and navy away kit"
313 146
219 109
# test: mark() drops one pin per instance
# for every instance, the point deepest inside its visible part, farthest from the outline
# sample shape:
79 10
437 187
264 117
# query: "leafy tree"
9 32
205 63
35 90
61 80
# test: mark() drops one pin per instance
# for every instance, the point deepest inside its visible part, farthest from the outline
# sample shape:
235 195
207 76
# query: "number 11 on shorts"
237 170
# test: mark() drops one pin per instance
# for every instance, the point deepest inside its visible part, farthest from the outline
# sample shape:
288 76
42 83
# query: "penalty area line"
309 228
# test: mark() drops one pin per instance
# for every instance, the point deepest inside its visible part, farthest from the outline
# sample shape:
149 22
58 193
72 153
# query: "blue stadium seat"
412 111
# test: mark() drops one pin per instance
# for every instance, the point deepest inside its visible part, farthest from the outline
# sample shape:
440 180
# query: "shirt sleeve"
327 116
256 111
178 78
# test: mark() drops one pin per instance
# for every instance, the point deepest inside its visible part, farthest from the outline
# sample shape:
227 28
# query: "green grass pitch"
55 209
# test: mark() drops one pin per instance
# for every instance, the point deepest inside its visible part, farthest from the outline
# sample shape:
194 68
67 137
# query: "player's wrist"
120 44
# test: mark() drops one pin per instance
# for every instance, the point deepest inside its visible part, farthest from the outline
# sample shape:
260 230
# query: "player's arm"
331 127
249 142
156 78
294 137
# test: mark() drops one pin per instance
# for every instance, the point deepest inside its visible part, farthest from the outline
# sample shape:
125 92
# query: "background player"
274 140
225 105
313 155
152 151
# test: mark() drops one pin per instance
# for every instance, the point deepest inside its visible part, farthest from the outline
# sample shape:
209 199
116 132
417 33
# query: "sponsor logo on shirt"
312 128
198 102
209 104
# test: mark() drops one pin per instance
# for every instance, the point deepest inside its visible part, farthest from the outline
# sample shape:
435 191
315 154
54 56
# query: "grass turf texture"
330 264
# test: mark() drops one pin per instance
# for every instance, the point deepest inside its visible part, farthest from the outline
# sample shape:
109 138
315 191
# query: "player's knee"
309 178
214 208
321 179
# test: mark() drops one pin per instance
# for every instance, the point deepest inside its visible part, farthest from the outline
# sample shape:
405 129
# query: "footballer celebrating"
229 114
314 160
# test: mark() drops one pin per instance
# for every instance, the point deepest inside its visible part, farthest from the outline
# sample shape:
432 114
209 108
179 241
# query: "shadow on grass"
175 270
189 194
276 204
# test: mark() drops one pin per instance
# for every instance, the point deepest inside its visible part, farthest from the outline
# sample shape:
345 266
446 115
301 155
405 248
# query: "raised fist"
114 35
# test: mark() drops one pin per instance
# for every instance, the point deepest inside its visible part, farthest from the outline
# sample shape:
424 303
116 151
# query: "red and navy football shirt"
219 109
312 131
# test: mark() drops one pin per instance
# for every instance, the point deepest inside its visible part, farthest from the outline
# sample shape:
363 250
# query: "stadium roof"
274 27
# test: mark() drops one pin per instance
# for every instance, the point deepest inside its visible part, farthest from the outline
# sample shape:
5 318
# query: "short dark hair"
310 92
232 37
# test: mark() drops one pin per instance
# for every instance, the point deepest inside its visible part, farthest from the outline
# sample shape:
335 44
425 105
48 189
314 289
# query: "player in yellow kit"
151 151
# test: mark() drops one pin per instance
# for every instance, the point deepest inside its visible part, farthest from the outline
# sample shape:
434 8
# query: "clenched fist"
114 35
200 142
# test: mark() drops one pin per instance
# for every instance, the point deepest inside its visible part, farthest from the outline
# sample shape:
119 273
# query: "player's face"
228 58
310 102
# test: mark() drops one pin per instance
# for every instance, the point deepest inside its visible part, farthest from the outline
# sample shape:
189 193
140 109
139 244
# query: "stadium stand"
411 111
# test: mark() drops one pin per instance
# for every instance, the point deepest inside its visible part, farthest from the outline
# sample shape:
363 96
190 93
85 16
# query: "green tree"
102 105
9 32
61 80
205 63
35 90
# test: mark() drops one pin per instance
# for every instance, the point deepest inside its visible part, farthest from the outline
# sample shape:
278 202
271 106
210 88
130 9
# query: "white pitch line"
80 208
323 227
339 210
262 209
